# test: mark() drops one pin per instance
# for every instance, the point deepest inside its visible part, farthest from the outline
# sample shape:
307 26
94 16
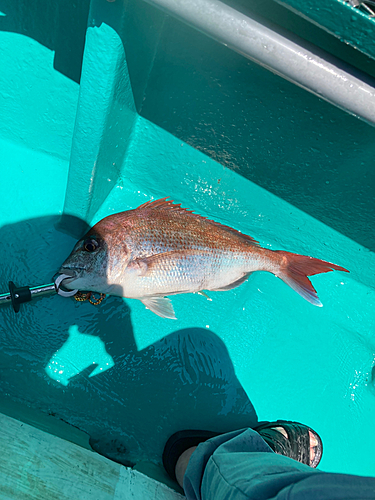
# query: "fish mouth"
70 271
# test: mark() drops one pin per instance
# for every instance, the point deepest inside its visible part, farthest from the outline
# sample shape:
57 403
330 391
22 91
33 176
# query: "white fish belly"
181 272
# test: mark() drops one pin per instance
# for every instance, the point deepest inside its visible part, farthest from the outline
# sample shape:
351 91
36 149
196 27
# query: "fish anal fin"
161 306
165 204
234 284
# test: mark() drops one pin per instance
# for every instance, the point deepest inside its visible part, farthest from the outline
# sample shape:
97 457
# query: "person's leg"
239 465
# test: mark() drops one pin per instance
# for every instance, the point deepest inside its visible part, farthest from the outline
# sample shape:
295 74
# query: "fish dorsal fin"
165 204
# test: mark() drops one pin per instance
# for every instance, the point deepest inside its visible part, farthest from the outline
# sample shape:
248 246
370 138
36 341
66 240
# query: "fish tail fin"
295 269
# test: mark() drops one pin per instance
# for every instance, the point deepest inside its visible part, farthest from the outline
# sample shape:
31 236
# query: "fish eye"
90 245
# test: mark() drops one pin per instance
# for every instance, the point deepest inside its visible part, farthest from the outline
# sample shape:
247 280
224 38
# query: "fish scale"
161 249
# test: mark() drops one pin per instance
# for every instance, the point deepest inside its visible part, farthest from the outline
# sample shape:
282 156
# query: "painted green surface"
303 150
105 116
292 171
351 25
41 54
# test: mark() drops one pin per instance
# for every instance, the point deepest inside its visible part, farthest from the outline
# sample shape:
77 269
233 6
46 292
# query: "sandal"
296 445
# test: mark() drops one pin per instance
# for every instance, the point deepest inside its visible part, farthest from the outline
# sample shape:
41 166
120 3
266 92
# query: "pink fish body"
161 249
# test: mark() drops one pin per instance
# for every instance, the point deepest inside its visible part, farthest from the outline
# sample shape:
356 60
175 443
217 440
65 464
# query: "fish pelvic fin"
204 294
161 306
295 269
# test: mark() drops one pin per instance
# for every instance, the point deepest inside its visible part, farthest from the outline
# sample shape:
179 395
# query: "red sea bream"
161 249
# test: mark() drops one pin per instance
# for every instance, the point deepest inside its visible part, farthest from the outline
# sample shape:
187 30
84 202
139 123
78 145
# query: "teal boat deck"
160 109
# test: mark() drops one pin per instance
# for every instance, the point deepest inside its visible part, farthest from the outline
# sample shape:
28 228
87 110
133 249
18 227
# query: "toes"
282 431
315 449
313 440
315 445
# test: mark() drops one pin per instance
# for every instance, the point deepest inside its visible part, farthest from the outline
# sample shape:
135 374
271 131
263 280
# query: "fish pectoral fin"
234 284
161 306
138 266
146 265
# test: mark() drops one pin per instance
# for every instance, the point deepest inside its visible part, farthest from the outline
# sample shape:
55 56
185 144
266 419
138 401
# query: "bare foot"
182 464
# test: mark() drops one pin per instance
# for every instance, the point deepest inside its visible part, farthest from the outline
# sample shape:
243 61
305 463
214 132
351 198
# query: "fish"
161 249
